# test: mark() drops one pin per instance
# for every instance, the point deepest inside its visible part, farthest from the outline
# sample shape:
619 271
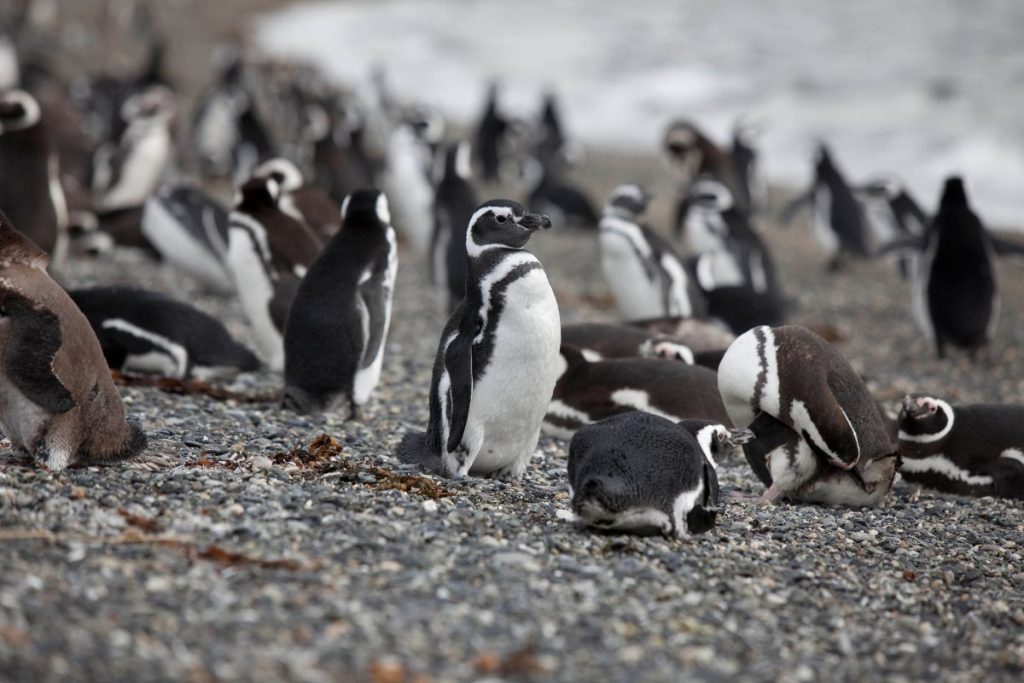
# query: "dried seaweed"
192 387
519 663
147 524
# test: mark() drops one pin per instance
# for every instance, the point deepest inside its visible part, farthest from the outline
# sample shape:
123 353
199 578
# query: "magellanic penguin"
644 273
589 391
893 214
304 202
30 186
57 400
146 332
454 204
268 254
407 180
490 134
601 341
338 323
189 229
820 435
498 360
750 181
839 222
955 293
691 154
977 450
550 191
641 473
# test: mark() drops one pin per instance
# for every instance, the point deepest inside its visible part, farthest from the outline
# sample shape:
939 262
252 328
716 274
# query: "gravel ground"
268 552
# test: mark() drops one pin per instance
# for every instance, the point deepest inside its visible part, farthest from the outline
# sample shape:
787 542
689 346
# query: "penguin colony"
698 369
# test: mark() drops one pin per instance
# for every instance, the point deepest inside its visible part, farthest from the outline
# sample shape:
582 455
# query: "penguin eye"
501 218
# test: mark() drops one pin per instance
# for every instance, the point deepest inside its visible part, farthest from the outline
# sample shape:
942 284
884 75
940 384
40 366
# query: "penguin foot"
355 413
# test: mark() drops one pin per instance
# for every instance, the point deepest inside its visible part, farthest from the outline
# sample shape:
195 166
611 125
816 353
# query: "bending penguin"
820 436
644 273
643 474
497 360
338 323
976 450
57 400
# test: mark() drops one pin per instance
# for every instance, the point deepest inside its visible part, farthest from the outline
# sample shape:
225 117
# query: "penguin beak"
738 437
533 221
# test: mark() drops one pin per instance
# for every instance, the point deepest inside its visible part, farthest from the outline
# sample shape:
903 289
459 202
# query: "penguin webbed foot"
355 413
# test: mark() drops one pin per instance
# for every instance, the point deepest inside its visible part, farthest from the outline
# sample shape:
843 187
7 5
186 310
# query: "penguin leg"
355 411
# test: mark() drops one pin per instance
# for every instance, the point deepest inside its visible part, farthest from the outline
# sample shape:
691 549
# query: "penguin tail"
414 449
133 443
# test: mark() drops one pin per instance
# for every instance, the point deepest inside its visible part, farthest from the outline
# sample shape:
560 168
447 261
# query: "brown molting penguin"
305 203
57 400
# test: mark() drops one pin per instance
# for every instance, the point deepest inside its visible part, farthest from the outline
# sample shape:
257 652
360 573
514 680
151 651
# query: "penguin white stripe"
472 248
682 505
213 236
444 384
559 409
498 273
704 437
771 399
1013 454
639 400
940 464
628 230
937 436
250 225
176 351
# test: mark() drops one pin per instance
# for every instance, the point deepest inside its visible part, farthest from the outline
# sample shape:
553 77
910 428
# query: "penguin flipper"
374 293
458 364
32 345
769 434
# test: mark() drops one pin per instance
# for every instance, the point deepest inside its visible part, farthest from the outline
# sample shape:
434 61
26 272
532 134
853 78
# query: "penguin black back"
454 204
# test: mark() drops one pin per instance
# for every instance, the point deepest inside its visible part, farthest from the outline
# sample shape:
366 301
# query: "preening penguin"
497 360
977 450
268 254
57 400
644 273
338 323
589 391
820 434
644 474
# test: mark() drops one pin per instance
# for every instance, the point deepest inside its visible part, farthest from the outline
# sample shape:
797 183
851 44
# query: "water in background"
917 88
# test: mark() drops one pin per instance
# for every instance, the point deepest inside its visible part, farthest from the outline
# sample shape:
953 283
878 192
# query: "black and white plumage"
551 192
304 202
691 154
268 254
646 276
753 190
820 435
490 136
602 341
644 474
893 215
189 229
407 179
589 391
454 204
975 450
338 323
710 336
30 185
497 360
146 332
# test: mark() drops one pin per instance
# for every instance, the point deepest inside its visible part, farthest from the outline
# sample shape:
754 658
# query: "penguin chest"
636 289
511 397
822 219
255 291
792 465
22 421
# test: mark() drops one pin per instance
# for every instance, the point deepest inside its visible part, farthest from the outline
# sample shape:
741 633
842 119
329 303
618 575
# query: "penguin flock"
329 187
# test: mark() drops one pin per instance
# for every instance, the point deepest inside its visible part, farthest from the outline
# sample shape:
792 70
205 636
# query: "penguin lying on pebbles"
306 203
338 323
497 360
820 435
587 392
700 335
146 332
600 341
977 450
57 400
643 474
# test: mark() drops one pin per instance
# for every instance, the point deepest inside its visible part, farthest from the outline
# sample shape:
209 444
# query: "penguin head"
629 201
502 223
710 194
716 440
18 111
924 420
365 207
954 194
283 171
260 192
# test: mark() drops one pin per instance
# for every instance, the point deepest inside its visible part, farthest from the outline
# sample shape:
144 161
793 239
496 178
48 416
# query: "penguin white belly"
216 133
22 421
409 189
368 377
922 276
704 231
510 399
141 173
822 220
180 248
255 291
792 467
636 296
719 268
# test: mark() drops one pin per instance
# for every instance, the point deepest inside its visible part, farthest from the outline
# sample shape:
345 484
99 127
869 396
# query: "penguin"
641 473
589 391
146 332
30 185
753 190
699 335
338 322
454 204
691 154
497 360
642 269
552 193
490 133
340 160
975 450
406 179
840 224
893 214
820 435
268 254
58 402
304 202
600 341
189 229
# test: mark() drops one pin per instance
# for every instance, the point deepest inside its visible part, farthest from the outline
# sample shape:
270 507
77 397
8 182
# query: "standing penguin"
752 186
643 474
691 154
894 214
497 361
268 254
490 134
975 450
407 180
338 323
30 188
57 400
454 204
644 273
820 435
